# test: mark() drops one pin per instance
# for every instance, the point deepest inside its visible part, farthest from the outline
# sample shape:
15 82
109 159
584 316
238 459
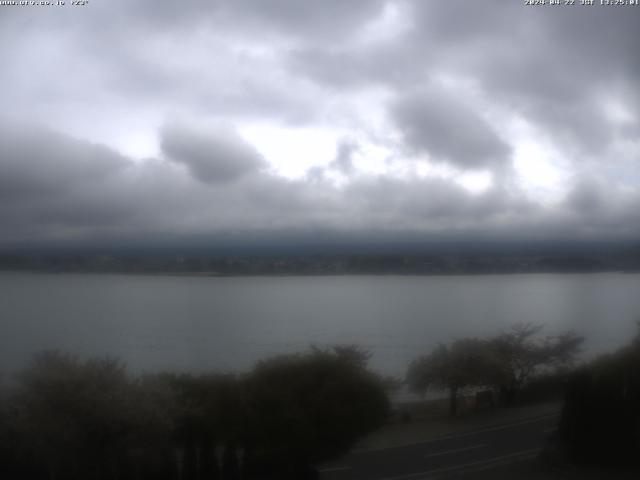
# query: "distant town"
326 264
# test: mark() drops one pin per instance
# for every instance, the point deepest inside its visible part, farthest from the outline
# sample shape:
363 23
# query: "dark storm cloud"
212 155
568 73
553 66
438 125
326 20
431 203
596 204
587 197
397 65
343 162
91 193
56 184
39 164
593 206
307 20
187 56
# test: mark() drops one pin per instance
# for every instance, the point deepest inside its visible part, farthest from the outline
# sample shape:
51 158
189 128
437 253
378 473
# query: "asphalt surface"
461 454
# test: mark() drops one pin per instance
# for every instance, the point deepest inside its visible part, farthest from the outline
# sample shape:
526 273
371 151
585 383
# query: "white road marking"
464 449
479 465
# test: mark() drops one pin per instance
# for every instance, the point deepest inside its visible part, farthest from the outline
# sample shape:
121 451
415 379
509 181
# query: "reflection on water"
185 323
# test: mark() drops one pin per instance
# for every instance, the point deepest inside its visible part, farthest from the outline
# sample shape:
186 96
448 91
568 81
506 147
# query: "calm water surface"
195 323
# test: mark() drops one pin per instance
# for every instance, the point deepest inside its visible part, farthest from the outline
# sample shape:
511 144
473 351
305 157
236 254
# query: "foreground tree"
208 415
600 423
519 354
75 419
82 419
504 363
309 408
464 363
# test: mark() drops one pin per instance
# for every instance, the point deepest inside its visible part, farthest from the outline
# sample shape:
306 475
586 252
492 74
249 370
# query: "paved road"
457 454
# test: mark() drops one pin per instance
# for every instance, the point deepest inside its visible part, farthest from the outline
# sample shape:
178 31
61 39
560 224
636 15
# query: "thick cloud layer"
95 194
406 117
448 130
212 155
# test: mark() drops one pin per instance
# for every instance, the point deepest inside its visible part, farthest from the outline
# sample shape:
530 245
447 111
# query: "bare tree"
453 367
504 362
520 353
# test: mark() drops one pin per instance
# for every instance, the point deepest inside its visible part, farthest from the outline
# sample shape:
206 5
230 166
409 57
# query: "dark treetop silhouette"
73 419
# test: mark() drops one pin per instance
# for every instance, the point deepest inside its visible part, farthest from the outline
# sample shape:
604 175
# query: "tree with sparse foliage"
519 353
452 367
505 362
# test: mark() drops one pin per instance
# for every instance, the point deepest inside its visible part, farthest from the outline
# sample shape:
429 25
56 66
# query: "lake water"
226 324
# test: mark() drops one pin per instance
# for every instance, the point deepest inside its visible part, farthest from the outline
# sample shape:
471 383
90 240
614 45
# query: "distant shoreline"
307 274
308 265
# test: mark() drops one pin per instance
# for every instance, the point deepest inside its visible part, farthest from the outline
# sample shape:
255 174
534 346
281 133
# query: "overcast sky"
153 120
